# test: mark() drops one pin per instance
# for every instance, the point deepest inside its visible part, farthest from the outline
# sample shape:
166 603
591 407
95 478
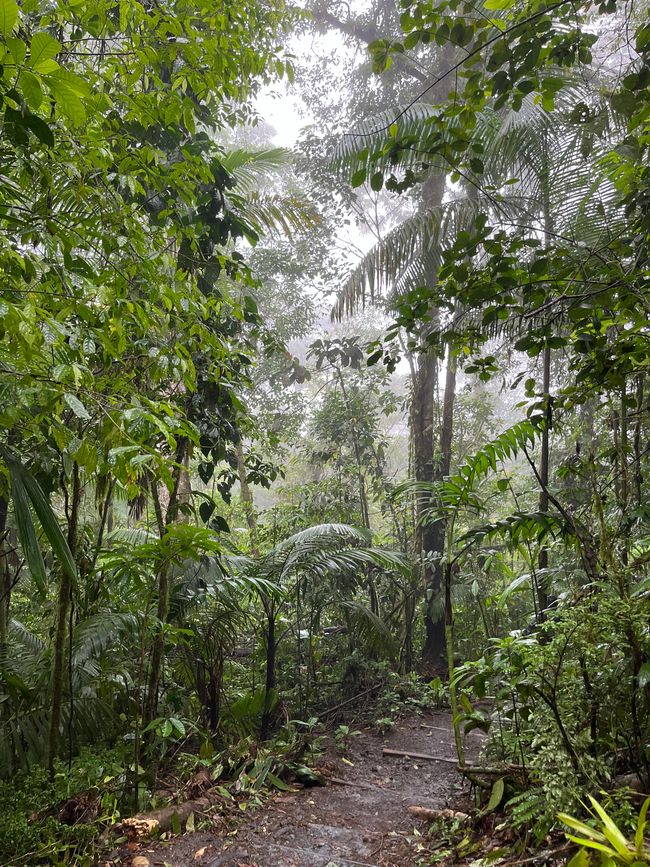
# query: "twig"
350 700
543 856
341 782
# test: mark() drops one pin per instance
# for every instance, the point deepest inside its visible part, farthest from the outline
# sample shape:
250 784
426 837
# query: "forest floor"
359 818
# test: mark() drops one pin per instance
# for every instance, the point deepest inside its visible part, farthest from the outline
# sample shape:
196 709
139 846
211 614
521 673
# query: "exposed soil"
362 822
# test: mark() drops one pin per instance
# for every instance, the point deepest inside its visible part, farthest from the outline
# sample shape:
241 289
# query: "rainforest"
324 432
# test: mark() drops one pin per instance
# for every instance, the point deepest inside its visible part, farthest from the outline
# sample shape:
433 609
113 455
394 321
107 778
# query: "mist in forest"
324 432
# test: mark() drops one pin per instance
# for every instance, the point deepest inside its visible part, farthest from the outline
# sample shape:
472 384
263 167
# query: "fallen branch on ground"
425 756
429 814
543 857
339 782
350 700
476 775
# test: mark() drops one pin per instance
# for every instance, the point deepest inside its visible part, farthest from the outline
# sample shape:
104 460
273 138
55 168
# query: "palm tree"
556 190
95 673
318 553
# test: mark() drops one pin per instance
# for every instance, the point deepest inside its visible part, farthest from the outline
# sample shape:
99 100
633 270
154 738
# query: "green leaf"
496 796
377 181
44 513
643 38
67 100
581 827
8 16
644 675
31 88
358 178
277 783
639 837
25 527
40 128
189 824
175 824
580 859
76 406
178 726
611 830
592 844
44 48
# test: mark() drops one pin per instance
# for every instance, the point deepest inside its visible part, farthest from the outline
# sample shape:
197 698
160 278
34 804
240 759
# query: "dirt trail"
362 823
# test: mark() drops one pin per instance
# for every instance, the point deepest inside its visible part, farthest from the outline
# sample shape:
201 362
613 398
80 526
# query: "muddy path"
359 819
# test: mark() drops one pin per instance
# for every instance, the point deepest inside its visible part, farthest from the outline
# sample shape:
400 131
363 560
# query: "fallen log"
145 824
424 756
429 814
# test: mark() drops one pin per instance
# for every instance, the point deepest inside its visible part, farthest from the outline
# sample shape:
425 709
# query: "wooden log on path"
409 754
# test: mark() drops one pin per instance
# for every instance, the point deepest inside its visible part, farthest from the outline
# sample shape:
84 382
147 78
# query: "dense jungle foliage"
365 416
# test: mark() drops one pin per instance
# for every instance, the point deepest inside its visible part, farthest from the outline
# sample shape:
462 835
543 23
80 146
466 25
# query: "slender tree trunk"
363 495
105 515
157 507
5 576
246 496
164 588
449 649
638 476
409 617
270 681
62 607
625 479
214 691
542 563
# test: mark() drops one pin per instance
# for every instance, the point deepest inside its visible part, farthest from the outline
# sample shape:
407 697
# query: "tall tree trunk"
421 423
62 608
542 562
434 650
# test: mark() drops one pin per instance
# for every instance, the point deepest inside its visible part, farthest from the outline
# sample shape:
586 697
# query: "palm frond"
407 257
249 167
373 632
95 635
20 634
366 145
276 214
